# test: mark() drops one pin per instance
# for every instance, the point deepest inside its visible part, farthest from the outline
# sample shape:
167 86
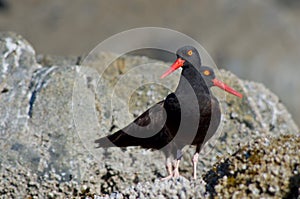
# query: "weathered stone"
270 178
52 112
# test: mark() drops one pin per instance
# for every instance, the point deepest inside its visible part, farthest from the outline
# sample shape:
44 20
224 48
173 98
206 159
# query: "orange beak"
177 64
227 88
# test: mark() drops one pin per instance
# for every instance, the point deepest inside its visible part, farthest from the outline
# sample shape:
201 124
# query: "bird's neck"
191 78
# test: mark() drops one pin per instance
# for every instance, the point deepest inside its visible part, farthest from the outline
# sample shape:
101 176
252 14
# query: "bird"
188 116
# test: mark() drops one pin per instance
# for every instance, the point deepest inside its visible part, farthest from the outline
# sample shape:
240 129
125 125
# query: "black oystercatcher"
189 116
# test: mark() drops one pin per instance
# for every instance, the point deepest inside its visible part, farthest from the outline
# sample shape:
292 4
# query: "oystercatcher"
189 116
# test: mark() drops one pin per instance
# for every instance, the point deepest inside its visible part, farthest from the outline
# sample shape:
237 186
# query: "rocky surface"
259 169
52 109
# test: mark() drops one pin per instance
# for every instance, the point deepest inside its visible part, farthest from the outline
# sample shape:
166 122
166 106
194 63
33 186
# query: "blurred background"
256 40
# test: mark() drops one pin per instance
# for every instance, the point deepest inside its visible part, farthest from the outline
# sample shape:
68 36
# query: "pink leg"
176 169
175 172
195 160
169 169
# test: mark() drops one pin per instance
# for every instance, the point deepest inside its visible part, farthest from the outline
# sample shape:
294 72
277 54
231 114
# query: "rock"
268 172
55 60
17 60
52 110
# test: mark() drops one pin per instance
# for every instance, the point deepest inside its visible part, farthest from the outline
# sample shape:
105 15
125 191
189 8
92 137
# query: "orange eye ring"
190 53
206 72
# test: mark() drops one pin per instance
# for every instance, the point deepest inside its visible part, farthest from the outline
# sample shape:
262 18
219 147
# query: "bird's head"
210 79
185 55
188 55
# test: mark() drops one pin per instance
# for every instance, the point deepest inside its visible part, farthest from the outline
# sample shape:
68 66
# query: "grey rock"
53 109
17 61
262 157
55 60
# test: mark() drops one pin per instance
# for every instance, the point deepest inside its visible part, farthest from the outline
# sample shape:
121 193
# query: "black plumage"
189 116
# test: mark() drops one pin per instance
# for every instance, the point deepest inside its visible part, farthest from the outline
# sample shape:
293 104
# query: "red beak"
177 64
227 88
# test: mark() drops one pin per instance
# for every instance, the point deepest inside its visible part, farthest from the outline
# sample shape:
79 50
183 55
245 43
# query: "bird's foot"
167 178
174 174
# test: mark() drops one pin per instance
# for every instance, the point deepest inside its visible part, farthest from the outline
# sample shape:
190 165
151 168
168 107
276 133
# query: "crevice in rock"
79 60
38 81
4 90
213 176
294 186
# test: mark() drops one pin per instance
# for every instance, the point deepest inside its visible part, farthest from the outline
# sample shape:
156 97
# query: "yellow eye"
206 72
190 52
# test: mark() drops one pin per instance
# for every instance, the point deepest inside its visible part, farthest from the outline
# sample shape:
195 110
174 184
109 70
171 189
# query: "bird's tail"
104 142
118 139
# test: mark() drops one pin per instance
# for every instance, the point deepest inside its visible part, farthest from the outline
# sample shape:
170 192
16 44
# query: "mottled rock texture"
47 133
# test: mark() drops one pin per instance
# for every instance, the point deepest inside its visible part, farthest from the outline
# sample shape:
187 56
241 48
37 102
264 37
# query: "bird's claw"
174 174
167 178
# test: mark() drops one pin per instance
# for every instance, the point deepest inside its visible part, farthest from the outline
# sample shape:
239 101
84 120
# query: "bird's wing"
209 121
143 131
171 103
149 123
215 119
